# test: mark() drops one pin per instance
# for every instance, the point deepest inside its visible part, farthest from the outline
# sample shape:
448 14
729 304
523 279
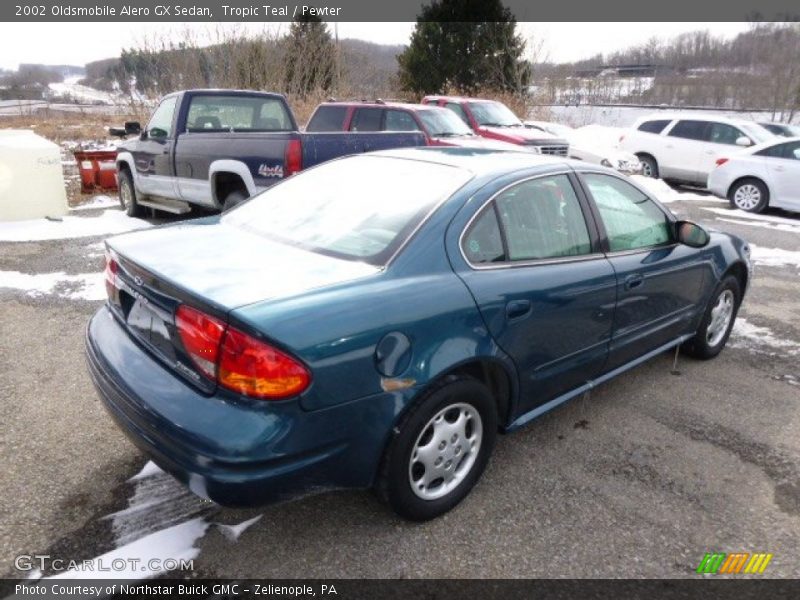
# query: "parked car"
495 121
586 145
439 126
781 129
765 175
685 148
215 148
376 320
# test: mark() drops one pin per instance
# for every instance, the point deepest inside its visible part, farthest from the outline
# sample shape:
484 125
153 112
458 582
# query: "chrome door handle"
633 281
518 309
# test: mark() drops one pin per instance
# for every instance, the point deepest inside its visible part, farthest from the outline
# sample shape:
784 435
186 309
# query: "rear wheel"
439 450
127 194
233 199
717 322
750 195
649 165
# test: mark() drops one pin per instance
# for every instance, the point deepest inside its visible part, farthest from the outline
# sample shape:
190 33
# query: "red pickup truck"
439 126
495 121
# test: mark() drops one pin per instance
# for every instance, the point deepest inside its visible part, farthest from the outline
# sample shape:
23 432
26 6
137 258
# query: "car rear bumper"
717 183
234 451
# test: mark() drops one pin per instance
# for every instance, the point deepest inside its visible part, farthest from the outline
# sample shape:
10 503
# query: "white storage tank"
31 179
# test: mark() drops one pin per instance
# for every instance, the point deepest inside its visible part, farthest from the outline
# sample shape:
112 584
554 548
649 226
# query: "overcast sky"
79 43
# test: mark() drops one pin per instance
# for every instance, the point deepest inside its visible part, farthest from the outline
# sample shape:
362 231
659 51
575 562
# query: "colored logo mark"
736 562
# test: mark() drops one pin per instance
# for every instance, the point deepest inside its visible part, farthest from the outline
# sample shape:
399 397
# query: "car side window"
483 243
722 133
690 130
399 120
656 126
542 218
790 150
632 220
459 110
161 121
328 118
367 119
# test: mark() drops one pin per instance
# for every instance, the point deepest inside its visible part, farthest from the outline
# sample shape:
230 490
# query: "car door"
544 289
659 282
153 153
720 141
682 146
783 171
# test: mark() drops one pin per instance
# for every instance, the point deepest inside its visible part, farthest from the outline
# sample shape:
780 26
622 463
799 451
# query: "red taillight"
254 368
112 267
238 361
201 336
721 161
293 158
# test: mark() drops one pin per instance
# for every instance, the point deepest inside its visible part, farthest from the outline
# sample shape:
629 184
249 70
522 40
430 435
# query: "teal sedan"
375 321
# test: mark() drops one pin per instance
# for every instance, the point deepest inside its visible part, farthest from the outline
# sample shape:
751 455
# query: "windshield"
493 114
357 208
441 122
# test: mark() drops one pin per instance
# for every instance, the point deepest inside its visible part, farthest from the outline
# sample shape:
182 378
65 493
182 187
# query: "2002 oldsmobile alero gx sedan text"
375 321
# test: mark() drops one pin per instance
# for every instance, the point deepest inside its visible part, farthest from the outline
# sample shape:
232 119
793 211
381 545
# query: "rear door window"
690 130
656 126
367 119
328 118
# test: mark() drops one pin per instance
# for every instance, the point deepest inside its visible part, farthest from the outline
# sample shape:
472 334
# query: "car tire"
233 199
439 450
718 319
750 195
127 194
649 165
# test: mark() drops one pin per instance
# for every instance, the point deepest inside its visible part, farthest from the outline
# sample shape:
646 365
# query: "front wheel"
127 194
439 450
717 321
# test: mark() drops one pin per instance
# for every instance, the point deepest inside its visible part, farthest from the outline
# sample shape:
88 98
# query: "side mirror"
117 132
744 141
691 234
157 133
133 127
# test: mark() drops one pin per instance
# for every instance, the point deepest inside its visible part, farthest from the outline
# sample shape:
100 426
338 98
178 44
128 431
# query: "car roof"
479 161
381 104
693 116
459 98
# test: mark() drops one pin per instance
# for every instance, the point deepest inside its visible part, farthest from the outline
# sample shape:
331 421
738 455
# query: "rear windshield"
328 118
237 113
357 208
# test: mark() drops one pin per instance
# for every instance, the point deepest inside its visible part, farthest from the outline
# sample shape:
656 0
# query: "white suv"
685 147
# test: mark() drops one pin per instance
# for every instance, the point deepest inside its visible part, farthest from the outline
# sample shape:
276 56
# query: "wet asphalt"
638 479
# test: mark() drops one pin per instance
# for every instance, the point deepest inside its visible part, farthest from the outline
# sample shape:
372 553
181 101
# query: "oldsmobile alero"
375 321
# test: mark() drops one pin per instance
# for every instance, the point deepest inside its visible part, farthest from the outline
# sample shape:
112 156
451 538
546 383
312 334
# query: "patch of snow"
761 339
148 470
146 557
743 214
774 257
86 286
763 224
232 532
35 230
101 201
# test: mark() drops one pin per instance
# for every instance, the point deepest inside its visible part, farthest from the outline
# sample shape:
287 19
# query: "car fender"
234 167
126 158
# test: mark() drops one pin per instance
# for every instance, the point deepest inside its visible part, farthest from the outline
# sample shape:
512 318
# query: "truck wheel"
127 194
233 199
649 165
439 450
717 322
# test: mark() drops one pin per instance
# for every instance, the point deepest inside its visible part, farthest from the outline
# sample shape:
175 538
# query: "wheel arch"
745 178
226 176
739 270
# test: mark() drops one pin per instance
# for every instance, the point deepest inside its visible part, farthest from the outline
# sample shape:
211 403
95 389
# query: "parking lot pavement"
639 479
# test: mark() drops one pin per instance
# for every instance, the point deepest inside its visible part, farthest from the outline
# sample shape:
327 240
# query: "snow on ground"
101 201
761 339
763 225
83 94
774 257
86 286
743 214
160 526
35 230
